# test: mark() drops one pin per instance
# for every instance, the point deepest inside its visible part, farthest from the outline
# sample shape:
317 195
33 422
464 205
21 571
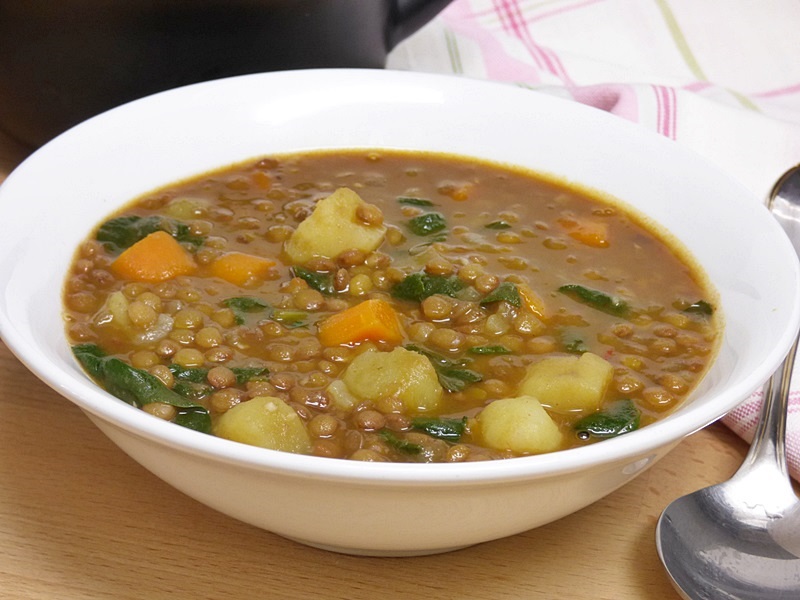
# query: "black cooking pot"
62 61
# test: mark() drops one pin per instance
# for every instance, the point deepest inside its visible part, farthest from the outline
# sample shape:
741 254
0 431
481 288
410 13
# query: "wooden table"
79 519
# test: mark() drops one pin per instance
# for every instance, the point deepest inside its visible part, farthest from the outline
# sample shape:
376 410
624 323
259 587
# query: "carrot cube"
372 320
155 258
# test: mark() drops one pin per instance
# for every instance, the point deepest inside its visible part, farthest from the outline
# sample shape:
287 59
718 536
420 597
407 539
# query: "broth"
437 309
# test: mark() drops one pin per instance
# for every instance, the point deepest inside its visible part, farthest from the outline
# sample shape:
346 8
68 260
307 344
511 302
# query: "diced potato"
569 383
114 312
334 227
266 422
519 424
114 317
187 208
341 397
401 373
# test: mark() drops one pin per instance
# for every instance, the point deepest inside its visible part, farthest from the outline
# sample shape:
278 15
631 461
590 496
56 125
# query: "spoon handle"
768 449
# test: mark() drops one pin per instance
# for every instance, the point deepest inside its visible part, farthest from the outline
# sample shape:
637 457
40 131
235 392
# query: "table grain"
79 519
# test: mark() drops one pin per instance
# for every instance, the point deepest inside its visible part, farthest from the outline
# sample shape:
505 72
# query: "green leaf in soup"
400 444
411 201
616 419
322 282
245 374
572 341
192 391
456 379
183 233
192 374
452 373
437 359
91 356
701 307
418 286
596 299
418 249
193 418
505 292
243 305
498 225
495 349
290 318
123 232
449 430
136 386
427 223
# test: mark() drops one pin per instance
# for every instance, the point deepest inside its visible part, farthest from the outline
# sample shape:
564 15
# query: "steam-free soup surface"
389 306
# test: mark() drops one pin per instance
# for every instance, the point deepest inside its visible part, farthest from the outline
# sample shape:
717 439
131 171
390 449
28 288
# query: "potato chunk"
519 424
266 422
401 373
569 383
340 222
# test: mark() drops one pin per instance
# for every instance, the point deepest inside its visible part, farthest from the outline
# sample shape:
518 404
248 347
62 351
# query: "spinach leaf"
701 307
138 387
123 232
290 318
192 391
505 292
322 282
245 304
199 375
619 417
456 379
418 286
596 299
245 374
427 223
452 374
193 418
498 225
411 201
91 357
418 249
498 349
193 375
573 341
449 430
241 305
399 443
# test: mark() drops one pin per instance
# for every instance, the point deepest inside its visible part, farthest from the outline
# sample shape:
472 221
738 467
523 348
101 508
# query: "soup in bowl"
390 306
328 303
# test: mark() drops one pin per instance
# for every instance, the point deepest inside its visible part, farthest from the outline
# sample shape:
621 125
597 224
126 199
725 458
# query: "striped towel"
721 77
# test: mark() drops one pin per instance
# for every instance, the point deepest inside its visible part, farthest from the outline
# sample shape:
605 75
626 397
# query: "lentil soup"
390 306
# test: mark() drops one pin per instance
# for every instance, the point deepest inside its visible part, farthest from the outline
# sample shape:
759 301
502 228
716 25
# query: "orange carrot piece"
373 320
590 233
262 180
155 258
239 268
459 194
532 300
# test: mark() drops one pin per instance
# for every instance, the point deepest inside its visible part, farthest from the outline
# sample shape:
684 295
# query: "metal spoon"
741 539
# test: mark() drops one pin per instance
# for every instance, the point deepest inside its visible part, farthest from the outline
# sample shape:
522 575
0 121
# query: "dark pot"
62 61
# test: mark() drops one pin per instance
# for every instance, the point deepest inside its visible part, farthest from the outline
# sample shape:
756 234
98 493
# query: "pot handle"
410 15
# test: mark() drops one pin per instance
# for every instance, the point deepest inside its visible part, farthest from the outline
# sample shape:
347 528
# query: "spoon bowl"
741 538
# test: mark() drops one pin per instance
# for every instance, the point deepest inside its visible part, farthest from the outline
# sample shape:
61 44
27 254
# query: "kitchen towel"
720 77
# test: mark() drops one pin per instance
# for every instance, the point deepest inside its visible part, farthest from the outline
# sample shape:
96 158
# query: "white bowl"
53 199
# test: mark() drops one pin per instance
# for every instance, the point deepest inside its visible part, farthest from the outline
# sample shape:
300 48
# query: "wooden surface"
79 519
